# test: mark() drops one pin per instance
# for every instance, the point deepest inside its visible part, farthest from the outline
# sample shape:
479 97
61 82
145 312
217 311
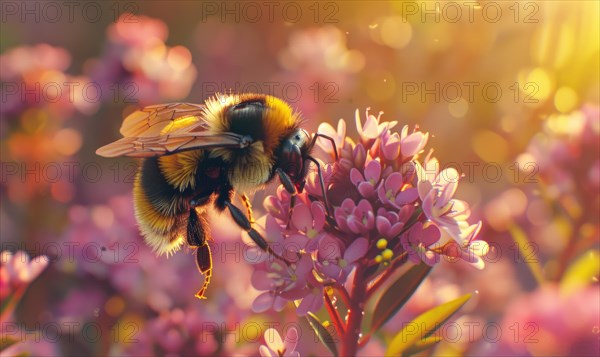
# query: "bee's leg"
248 205
242 221
289 186
204 263
197 234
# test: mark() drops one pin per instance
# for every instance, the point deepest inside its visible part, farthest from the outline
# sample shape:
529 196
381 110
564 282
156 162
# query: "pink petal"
366 189
356 250
260 280
394 182
273 340
447 194
329 249
301 217
310 303
383 225
373 171
407 196
381 193
364 206
332 271
263 302
391 148
370 129
413 143
396 229
318 213
359 155
291 339
353 223
355 176
265 352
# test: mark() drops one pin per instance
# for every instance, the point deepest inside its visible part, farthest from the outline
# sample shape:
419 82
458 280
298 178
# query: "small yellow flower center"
389 194
387 254
382 243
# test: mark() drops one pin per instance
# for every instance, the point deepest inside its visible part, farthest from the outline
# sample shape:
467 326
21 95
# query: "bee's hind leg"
197 234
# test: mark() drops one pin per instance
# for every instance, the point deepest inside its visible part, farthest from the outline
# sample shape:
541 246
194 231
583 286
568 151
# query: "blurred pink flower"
139 63
18 270
278 347
547 322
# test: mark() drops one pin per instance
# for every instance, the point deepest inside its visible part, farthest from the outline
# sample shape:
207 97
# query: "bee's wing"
166 129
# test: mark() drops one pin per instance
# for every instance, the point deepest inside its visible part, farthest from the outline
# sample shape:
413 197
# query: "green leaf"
6 342
422 345
424 326
527 251
398 294
581 272
322 333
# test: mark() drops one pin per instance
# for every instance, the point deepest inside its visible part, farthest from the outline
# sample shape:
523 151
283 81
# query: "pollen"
378 259
387 254
382 243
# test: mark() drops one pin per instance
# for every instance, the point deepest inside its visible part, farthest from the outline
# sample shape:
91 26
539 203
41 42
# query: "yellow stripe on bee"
160 231
278 119
180 169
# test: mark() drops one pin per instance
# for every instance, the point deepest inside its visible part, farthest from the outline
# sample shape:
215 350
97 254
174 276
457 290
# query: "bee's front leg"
248 205
242 221
289 186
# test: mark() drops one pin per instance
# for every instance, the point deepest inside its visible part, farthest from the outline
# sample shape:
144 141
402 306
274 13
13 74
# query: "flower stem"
381 279
355 313
333 313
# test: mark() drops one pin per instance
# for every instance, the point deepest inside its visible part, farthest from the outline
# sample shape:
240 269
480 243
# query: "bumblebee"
196 155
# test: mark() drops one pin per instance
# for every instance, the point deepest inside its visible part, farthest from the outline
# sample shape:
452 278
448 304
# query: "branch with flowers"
393 218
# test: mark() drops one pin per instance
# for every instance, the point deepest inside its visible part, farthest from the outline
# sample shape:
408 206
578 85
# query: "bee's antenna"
314 141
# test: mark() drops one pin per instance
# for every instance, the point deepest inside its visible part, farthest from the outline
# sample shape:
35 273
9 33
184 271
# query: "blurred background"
508 90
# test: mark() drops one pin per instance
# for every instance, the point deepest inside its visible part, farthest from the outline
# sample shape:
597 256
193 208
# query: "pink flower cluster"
387 205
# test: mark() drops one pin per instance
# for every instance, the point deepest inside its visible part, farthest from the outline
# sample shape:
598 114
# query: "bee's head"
294 156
